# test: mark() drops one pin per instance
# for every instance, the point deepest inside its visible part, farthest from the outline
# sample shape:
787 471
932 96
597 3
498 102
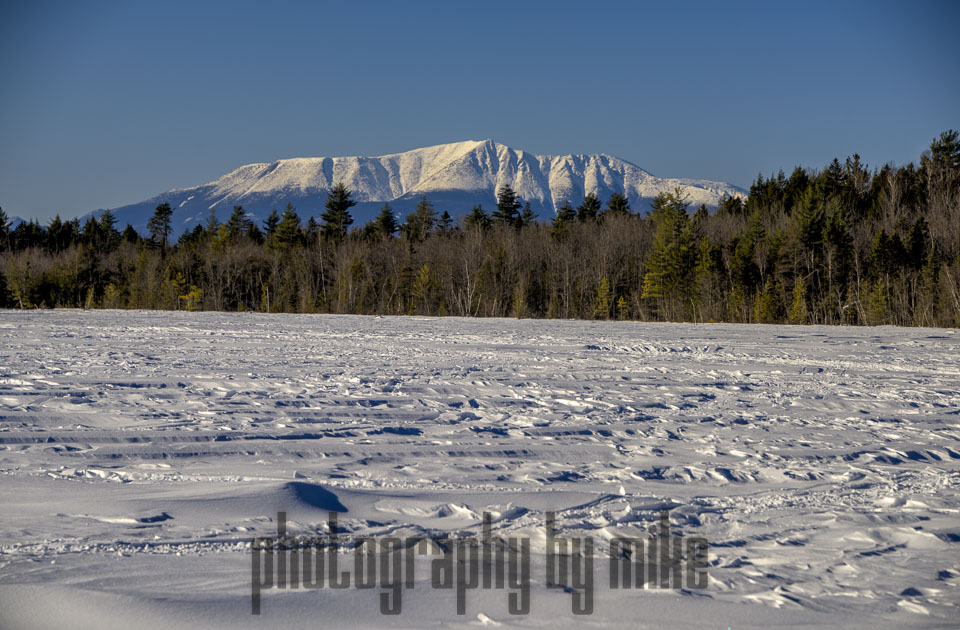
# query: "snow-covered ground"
141 452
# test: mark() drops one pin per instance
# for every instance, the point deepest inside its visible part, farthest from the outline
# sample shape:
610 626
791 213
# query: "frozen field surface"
140 453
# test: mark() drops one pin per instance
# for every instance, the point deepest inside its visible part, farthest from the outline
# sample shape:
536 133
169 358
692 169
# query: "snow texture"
141 451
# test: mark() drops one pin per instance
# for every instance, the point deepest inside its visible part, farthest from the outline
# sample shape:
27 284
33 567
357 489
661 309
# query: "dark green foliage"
5 237
731 206
589 209
385 225
508 208
945 151
130 235
421 222
336 215
528 216
159 226
669 278
566 214
618 204
478 219
288 233
270 224
445 223
238 223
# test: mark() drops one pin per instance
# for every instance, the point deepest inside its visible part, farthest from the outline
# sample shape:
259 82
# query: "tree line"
841 245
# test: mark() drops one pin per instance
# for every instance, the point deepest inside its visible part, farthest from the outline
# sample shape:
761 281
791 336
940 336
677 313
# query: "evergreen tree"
4 231
238 223
385 225
478 219
288 232
130 235
945 150
618 204
508 206
527 217
159 226
445 224
312 230
271 223
731 206
918 243
589 209
61 235
196 235
212 223
110 237
565 215
669 277
421 221
91 233
601 304
336 217
108 223
767 306
798 312
253 233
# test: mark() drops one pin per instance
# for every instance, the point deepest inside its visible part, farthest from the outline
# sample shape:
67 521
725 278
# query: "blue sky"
108 103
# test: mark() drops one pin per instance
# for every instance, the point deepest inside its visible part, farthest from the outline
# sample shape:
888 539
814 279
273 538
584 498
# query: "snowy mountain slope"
454 177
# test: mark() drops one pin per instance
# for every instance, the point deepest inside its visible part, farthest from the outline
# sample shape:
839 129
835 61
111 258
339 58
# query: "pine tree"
130 235
423 289
942 167
798 313
589 209
767 306
478 219
445 224
288 232
385 225
733 206
508 206
4 230
527 217
110 237
108 223
669 277
918 243
336 217
878 303
271 223
212 222
159 226
518 303
421 221
601 303
562 219
311 231
238 223
618 204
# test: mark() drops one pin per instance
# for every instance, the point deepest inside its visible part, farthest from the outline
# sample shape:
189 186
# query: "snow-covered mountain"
454 177
14 222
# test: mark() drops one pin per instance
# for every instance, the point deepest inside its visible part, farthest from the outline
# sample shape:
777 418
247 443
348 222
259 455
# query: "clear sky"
108 103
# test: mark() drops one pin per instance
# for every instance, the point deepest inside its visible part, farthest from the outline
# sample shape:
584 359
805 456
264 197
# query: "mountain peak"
455 177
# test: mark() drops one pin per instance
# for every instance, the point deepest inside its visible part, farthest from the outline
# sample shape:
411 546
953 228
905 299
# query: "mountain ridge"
454 177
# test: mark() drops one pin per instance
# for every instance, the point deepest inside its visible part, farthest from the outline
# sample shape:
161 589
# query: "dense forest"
841 245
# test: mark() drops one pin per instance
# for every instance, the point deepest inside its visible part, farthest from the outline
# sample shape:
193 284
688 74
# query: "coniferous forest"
843 245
